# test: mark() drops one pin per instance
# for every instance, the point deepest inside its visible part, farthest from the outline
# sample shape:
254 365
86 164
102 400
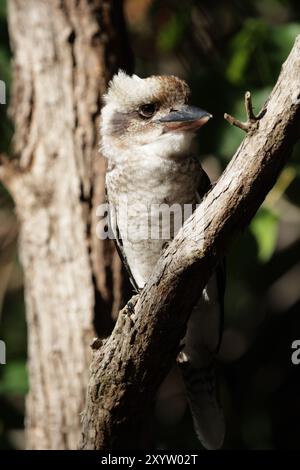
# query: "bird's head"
150 114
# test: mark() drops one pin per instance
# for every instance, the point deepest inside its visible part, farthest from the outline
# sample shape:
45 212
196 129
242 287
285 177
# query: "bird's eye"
146 111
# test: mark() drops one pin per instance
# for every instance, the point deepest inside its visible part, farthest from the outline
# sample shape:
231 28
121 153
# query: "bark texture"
64 53
127 369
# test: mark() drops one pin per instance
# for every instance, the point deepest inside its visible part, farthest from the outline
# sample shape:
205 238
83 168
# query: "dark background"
222 49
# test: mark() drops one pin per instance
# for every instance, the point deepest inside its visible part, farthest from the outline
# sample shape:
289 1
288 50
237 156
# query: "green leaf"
14 378
243 47
258 50
171 34
283 38
3 9
264 228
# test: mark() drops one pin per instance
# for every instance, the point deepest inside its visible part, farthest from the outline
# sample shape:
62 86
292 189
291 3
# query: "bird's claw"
131 304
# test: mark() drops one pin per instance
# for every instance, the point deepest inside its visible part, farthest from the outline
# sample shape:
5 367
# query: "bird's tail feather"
206 410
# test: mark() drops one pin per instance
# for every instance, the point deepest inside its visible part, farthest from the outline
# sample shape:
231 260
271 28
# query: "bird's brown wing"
121 252
205 184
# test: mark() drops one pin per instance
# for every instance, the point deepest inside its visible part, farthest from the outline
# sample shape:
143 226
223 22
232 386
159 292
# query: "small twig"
252 120
249 108
235 122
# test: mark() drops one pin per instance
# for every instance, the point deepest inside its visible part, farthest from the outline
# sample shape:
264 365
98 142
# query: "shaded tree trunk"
64 53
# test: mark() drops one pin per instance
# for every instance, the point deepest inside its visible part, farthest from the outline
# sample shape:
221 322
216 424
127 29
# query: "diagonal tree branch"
127 369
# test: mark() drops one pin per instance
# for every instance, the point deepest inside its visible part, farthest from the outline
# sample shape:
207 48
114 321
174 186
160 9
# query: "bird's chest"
153 182
150 205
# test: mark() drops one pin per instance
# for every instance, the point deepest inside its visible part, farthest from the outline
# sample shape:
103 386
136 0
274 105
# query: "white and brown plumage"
146 132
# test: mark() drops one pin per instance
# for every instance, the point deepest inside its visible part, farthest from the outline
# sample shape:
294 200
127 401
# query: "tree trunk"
64 53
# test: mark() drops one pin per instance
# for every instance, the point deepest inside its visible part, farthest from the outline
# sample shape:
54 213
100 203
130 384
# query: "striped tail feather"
207 414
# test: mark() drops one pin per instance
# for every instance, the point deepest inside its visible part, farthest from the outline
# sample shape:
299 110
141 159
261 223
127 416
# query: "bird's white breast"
136 190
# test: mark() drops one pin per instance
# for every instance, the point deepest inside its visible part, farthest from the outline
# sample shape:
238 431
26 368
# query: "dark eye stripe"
120 122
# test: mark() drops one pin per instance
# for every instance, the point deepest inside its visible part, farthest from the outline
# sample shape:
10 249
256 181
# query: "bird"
147 128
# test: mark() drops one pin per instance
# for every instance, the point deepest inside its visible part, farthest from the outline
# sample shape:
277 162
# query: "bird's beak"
188 118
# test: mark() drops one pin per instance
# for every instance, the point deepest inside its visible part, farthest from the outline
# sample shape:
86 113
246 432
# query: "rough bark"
128 368
64 53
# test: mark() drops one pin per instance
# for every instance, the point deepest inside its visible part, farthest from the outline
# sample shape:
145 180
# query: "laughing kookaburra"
147 129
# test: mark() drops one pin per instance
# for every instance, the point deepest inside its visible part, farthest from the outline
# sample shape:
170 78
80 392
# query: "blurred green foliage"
14 378
265 230
222 49
171 35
